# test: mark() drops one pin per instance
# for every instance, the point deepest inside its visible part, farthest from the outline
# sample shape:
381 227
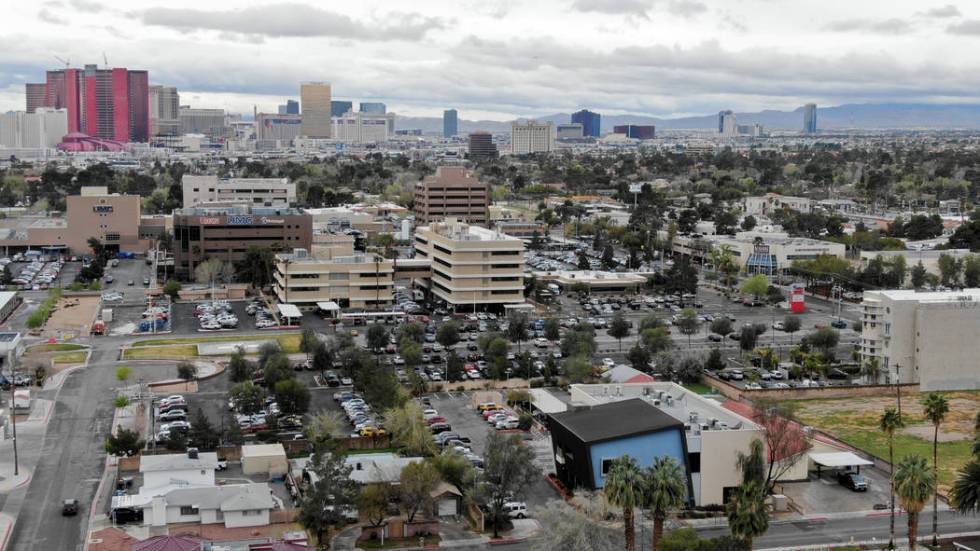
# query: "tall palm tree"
889 423
935 406
624 488
664 488
915 482
747 514
965 494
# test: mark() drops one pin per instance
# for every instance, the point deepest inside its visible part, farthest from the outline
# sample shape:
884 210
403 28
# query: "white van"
515 509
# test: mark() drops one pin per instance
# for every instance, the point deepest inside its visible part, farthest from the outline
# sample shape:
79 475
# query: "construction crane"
67 62
105 60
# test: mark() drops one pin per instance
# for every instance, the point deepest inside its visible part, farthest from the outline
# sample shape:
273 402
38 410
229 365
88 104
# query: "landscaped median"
59 353
181 348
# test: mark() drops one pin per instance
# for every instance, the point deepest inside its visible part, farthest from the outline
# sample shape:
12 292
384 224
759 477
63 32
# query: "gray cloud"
638 8
884 26
686 8
292 20
48 16
970 27
87 6
949 10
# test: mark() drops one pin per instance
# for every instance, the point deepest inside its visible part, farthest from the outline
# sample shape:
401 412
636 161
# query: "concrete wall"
237 519
947 347
719 455
734 393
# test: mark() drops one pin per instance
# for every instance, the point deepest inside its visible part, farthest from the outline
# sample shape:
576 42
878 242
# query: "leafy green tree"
324 502
323 357
714 361
650 321
552 329
918 275
624 486
454 367
578 369
791 324
580 341
372 502
239 368
172 289
186 371
721 326
508 469
411 352
453 468
915 483
377 338
517 328
655 339
619 328
123 443
308 341
639 357
682 277
749 223
688 323
664 489
448 334
889 423
412 330
203 435
416 483
757 286
257 266
949 269
965 494
935 406
249 398
276 368
825 340
748 517
292 396
409 430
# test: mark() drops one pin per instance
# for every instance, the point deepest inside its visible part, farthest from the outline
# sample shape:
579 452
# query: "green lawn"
60 347
699 388
856 422
161 353
289 341
70 357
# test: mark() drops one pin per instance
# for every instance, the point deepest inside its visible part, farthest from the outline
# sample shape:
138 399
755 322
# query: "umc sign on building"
226 232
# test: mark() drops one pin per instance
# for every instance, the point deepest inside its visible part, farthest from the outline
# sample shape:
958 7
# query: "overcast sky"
498 59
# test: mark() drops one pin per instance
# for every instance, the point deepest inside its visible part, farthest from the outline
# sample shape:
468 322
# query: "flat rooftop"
614 420
459 231
225 209
683 405
963 295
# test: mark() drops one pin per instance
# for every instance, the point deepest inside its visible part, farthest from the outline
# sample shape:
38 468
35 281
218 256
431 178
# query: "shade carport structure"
838 460
289 314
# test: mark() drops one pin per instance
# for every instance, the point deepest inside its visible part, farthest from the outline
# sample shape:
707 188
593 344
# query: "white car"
516 509
541 342
608 363
508 423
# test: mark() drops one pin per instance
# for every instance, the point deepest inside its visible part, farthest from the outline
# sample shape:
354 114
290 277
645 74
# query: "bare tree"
785 441
213 271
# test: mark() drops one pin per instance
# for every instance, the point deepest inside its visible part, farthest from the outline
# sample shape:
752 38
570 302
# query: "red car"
391 349
433 420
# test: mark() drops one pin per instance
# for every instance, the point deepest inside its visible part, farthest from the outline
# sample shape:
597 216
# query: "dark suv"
854 481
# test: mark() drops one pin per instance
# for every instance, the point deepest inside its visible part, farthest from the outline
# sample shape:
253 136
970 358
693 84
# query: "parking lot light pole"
13 416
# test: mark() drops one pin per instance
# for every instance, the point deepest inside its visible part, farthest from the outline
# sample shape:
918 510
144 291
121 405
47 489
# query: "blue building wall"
590 122
644 449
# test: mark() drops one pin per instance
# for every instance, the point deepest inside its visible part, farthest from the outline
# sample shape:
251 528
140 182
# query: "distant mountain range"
866 116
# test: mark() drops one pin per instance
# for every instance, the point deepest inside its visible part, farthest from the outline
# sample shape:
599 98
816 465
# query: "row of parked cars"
445 437
216 315
498 416
171 414
37 275
263 316
360 415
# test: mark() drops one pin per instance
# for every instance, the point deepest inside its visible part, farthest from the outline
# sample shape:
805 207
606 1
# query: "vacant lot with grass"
855 421
161 352
289 342
70 357
59 347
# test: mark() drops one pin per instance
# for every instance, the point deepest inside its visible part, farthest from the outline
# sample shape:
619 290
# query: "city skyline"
660 59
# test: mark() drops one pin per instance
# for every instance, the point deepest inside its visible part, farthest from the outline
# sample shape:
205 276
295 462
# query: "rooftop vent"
192 453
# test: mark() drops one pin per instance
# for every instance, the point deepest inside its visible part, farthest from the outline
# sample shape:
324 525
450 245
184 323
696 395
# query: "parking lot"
825 495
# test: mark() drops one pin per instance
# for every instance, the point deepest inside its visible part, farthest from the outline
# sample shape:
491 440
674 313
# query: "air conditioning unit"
714 422
705 426
693 416
646 391
656 402
670 401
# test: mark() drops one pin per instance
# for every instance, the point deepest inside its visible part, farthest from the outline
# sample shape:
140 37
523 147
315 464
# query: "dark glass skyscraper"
590 122
721 119
810 118
338 108
450 123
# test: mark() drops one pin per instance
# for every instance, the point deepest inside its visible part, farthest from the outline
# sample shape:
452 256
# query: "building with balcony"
452 192
357 281
927 338
472 267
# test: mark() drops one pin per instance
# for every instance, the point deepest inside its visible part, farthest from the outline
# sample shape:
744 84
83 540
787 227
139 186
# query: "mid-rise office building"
374 107
111 104
284 127
226 232
340 108
452 192
450 123
291 107
472 267
210 122
570 131
164 111
729 125
721 119
927 338
356 281
590 122
810 118
481 146
636 131
531 137
315 105
253 191
41 129
359 128
35 93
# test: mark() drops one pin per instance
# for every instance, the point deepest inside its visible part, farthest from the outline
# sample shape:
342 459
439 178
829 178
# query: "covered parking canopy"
838 460
546 402
289 311
329 308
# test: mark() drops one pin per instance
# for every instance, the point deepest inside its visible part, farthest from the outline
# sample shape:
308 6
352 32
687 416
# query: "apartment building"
315 108
254 191
472 267
452 192
226 232
356 281
42 129
927 338
764 205
531 137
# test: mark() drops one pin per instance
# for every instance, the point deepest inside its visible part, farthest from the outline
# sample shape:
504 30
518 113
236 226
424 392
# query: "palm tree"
872 370
624 488
965 494
935 406
915 482
664 488
889 423
747 514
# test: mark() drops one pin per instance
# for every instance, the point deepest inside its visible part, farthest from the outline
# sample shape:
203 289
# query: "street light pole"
13 416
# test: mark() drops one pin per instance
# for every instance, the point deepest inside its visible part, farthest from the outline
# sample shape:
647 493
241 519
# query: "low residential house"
234 505
192 468
267 459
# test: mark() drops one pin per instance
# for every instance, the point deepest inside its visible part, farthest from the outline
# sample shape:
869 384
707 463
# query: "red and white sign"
797 299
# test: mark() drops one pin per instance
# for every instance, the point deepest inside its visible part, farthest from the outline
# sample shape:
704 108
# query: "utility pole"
13 416
898 390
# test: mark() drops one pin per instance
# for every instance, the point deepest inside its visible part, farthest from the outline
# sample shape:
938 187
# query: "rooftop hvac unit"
656 402
670 401
660 394
619 391
687 427
705 426
722 426
300 253
646 391
737 426
693 416
714 422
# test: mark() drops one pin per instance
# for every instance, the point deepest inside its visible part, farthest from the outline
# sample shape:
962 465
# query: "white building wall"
239 519
531 137
356 127
43 129
719 457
